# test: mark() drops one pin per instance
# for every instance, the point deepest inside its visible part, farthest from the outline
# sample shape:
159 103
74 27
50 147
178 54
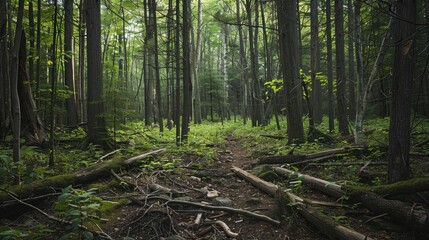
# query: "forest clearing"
205 119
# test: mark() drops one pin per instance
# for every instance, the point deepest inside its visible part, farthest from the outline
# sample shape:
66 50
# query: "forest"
205 119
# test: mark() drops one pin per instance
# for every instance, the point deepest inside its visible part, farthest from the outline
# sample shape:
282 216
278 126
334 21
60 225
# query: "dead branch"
226 229
329 188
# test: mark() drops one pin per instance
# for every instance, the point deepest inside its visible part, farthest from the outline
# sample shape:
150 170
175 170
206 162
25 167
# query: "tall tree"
5 106
97 132
288 38
331 102
196 59
53 74
187 84
341 70
315 62
351 81
402 86
243 65
16 110
178 72
71 104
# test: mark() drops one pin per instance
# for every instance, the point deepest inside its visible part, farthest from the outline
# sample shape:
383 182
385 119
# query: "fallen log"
329 188
273 136
397 210
413 185
87 175
323 222
289 159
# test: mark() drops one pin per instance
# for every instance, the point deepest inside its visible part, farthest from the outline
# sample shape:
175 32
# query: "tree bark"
71 102
5 101
316 95
351 81
341 70
243 66
402 86
331 102
187 84
97 132
288 38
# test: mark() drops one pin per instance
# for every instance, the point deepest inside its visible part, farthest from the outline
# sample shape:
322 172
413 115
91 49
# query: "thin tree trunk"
178 73
32 38
243 66
196 60
316 95
157 76
16 110
341 71
168 70
5 91
81 71
53 74
187 84
351 81
331 102
71 104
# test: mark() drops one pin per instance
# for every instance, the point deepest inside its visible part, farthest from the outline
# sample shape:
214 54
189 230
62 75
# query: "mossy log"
324 186
413 185
397 210
84 176
284 159
323 222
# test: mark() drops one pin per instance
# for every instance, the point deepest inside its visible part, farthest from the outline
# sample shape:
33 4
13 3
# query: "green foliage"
30 229
79 207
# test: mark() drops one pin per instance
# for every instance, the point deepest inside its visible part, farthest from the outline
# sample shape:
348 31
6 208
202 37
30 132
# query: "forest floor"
143 213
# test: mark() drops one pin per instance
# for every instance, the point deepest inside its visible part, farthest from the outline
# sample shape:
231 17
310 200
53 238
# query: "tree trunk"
178 72
331 102
187 84
71 103
32 38
243 66
31 124
5 101
81 71
16 110
316 95
97 132
288 38
38 52
402 86
53 79
351 81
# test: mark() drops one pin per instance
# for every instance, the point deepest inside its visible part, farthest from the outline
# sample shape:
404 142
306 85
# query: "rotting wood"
326 225
324 186
290 159
87 175
403 187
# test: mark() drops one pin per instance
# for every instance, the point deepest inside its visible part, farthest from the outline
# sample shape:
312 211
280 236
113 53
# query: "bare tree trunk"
243 66
351 28
53 74
187 84
196 59
341 71
168 70
402 87
71 103
331 102
5 101
288 38
32 38
97 132
178 73
81 71
316 95
16 110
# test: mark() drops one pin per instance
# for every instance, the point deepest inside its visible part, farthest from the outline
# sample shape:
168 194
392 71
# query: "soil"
145 218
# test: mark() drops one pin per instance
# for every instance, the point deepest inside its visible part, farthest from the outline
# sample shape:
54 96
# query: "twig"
117 177
109 154
226 229
373 218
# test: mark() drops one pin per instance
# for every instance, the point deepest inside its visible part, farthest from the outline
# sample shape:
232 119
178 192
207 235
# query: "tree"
341 70
71 103
402 85
331 102
97 132
5 106
243 66
187 84
315 59
351 81
288 39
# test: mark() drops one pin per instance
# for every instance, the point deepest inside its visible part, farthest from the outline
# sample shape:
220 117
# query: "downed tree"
283 159
329 188
326 225
397 210
87 175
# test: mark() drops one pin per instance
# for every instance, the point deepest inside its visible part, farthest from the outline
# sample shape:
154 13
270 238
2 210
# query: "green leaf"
88 235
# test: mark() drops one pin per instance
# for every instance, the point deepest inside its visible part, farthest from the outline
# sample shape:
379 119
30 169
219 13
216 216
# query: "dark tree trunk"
53 79
178 72
402 86
31 124
341 70
81 71
32 37
352 80
97 132
71 103
316 95
187 85
168 66
331 102
288 38
5 101
38 52
243 66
